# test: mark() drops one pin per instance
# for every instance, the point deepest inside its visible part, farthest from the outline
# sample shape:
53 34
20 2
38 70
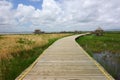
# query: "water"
110 61
5 33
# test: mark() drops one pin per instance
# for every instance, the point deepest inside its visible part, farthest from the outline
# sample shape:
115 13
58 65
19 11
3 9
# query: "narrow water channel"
110 61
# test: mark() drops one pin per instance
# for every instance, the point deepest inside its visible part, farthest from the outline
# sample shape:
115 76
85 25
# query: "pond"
110 61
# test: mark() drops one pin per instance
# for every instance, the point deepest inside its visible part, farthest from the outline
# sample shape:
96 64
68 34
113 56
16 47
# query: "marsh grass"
1 36
106 47
109 42
12 64
25 41
10 44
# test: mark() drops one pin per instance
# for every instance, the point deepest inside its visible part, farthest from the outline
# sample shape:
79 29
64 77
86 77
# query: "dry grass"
10 44
17 52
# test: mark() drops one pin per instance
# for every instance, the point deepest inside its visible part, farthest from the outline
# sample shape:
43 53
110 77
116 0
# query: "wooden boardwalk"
65 60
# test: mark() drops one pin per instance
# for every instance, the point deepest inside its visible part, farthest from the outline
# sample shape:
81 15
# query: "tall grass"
109 42
22 50
1 36
16 43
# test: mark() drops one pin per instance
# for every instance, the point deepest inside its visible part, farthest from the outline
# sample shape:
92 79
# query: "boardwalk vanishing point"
65 60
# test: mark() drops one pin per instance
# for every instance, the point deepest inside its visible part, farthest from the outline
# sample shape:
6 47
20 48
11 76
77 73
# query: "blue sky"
35 3
58 15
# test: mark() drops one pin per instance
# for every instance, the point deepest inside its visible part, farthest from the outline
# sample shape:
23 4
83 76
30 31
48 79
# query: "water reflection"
110 61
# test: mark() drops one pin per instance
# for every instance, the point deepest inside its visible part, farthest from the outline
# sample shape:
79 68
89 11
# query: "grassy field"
109 42
17 52
105 49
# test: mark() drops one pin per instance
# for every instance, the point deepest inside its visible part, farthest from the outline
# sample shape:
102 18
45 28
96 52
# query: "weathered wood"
65 60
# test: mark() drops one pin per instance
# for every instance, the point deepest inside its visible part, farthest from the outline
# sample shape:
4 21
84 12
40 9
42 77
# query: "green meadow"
110 42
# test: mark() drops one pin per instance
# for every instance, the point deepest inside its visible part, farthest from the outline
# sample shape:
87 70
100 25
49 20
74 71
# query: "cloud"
58 15
5 12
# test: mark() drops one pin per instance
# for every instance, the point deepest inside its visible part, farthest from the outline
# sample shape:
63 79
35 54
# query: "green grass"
25 41
109 42
1 37
11 68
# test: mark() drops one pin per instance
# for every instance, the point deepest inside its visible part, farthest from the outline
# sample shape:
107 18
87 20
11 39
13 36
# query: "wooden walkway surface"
65 60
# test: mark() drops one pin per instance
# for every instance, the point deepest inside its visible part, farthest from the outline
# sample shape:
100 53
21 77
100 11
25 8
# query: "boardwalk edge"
108 76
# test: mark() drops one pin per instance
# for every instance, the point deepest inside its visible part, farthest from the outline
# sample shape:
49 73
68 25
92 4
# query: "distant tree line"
38 31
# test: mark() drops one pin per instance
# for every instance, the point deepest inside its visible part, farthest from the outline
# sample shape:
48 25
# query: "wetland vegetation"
17 52
105 49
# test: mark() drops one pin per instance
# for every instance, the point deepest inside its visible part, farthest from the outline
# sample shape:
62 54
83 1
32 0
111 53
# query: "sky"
58 15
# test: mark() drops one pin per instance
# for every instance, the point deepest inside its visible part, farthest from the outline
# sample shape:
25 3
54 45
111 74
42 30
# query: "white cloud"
5 12
57 15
